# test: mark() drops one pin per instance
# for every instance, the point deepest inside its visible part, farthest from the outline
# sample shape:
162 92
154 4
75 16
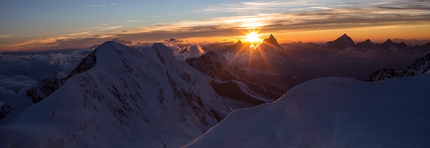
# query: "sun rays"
252 37
251 50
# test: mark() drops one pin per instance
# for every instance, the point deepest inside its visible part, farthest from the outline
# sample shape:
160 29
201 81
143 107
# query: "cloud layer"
272 16
20 70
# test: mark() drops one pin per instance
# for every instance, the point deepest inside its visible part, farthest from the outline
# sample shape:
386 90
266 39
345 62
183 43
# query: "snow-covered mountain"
117 97
420 66
332 112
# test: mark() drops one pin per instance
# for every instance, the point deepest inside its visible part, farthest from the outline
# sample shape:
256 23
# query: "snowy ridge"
130 98
332 112
420 66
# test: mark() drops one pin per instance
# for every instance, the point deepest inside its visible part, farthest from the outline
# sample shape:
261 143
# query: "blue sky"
39 24
25 17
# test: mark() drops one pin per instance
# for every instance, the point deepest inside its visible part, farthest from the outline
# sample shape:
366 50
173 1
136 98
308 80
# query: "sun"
252 37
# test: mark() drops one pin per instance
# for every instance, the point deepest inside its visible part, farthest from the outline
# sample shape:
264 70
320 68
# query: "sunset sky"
53 24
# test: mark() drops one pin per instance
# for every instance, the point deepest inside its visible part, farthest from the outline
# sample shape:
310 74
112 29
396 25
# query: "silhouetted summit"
271 43
341 43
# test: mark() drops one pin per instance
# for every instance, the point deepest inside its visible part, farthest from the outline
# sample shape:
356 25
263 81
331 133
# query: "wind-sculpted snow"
129 98
332 112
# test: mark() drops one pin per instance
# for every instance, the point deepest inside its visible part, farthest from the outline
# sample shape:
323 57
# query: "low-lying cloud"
12 85
20 70
193 51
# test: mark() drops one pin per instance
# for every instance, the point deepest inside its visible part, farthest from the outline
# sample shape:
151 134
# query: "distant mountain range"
343 57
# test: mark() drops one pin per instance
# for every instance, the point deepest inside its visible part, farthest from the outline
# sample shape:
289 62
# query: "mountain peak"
271 37
344 36
239 42
236 47
346 39
388 41
368 41
271 42
341 43
110 46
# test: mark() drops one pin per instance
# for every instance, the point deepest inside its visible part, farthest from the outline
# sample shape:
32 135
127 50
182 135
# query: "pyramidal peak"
272 42
366 42
388 41
239 42
271 37
344 40
344 36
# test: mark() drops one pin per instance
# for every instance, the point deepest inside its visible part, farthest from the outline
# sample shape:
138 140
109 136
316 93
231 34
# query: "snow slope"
130 98
332 112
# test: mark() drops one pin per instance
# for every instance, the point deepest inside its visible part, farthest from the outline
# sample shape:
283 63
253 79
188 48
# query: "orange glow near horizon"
253 38
375 34
359 34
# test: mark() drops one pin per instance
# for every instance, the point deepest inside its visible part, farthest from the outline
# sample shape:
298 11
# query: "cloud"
36 64
20 70
406 5
125 42
6 94
79 33
193 51
196 51
10 86
298 16
173 40
68 62
4 36
112 27
174 48
256 7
